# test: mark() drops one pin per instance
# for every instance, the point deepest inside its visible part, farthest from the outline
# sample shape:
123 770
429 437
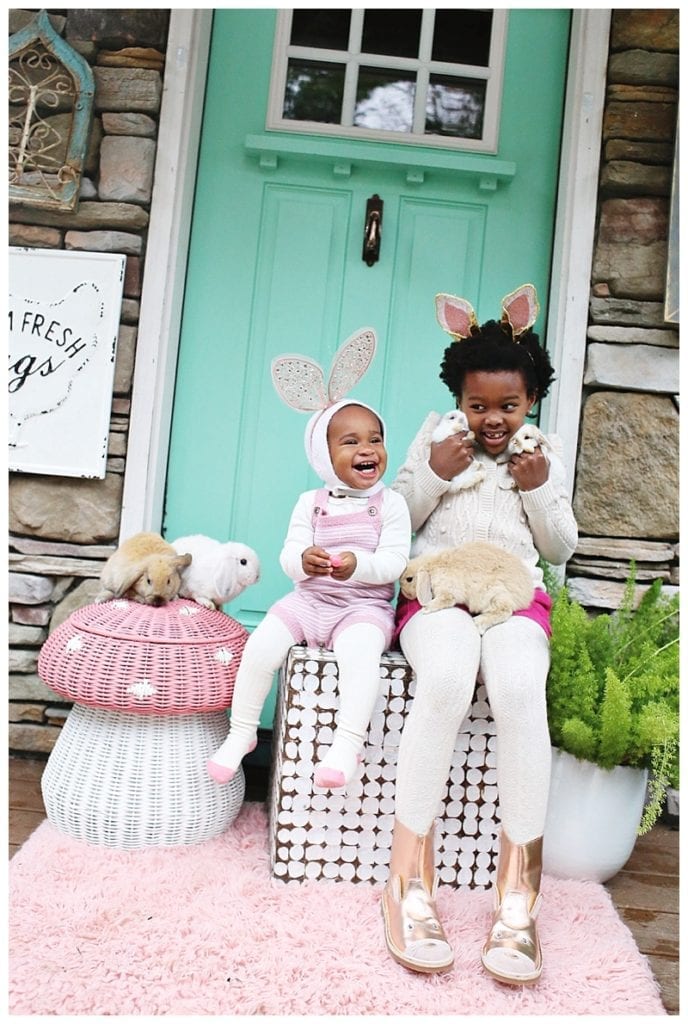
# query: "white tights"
446 652
357 649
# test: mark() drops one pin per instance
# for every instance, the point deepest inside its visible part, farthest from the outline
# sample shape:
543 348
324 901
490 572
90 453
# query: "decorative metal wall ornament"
51 90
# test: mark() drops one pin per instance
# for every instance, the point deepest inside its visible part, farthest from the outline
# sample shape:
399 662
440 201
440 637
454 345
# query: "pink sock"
218 773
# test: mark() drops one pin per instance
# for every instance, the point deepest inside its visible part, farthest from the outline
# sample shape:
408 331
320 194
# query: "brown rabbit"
144 568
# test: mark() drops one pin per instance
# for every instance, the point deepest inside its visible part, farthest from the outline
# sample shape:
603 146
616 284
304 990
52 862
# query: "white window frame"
423 66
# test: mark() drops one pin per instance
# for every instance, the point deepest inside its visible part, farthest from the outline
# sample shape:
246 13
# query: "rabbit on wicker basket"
144 568
218 572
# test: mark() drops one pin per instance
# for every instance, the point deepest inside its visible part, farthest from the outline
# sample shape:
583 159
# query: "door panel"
298 284
431 235
275 266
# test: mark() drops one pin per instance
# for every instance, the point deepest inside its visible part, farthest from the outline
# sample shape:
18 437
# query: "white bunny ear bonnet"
300 383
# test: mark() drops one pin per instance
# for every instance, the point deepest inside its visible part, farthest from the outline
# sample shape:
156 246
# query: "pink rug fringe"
206 930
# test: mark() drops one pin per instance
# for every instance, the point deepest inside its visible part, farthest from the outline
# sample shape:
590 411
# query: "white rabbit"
529 437
220 571
453 422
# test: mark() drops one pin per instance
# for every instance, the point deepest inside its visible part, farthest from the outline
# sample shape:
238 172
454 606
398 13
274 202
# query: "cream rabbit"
144 568
490 582
218 572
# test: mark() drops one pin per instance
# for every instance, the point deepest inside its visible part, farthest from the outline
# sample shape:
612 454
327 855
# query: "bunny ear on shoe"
520 309
351 362
300 383
456 316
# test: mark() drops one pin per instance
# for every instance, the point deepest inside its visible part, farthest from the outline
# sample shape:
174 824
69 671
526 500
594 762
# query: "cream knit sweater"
531 524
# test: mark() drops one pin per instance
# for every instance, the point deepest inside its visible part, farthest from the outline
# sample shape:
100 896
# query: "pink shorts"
318 623
538 610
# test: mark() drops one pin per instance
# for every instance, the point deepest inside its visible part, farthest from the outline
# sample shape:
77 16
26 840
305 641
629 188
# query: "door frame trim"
170 225
574 228
162 290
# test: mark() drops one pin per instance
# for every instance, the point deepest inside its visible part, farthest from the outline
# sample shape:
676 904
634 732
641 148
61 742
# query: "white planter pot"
592 818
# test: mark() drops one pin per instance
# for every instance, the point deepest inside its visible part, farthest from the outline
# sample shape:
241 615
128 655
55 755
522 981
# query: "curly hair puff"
491 349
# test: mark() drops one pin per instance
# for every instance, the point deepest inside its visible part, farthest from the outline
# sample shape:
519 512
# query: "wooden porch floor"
645 892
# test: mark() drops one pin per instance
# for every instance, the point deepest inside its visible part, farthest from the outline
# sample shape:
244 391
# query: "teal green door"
276 266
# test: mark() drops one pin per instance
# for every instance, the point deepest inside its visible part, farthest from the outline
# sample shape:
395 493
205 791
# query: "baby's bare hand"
451 456
316 562
343 565
529 470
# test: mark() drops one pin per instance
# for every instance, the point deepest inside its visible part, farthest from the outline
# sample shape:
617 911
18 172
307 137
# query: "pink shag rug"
206 930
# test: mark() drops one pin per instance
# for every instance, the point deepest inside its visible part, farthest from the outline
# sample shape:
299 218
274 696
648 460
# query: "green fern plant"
612 692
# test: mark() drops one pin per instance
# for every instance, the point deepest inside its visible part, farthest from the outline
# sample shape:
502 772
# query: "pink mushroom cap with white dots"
120 655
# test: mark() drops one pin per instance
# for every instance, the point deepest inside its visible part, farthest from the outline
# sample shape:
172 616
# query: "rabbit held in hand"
529 437
218 572
490 582
144 568
455 422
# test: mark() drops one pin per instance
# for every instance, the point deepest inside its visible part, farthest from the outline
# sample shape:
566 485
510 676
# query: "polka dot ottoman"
324 834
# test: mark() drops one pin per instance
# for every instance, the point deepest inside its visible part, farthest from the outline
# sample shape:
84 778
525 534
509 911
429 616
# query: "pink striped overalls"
320 607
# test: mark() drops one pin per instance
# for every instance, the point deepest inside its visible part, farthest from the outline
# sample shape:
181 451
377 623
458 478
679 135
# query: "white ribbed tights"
357 649
446 652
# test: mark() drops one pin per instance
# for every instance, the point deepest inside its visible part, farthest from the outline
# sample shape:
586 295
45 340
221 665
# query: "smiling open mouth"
366 467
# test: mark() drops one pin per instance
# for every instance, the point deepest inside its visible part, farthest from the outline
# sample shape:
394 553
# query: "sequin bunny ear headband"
300 381
520 310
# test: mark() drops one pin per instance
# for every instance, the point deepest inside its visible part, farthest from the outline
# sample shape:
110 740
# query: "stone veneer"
626 494
62 529
626 487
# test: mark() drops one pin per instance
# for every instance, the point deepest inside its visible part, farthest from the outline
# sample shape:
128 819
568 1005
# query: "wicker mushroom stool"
335 835
150 686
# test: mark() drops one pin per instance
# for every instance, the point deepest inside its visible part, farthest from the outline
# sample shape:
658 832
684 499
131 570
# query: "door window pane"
462 37
314 91
455 106
384 100
325 30
394 33
430 76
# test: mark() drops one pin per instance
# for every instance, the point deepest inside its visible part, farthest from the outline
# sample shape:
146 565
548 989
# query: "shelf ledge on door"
344 154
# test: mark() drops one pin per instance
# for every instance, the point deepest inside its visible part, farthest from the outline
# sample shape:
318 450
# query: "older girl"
496 372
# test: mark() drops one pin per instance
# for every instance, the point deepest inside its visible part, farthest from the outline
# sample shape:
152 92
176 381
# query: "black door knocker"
373 230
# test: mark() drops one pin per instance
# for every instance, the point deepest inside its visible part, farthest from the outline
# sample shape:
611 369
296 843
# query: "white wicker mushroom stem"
129 781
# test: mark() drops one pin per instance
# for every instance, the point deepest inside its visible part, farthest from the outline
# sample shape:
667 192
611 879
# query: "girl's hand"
529 470
451 456
316 562
343 565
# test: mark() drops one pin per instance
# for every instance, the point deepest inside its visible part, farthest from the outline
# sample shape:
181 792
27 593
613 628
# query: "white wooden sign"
64 311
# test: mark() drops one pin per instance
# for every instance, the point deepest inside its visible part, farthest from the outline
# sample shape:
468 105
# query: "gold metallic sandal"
413 933
512 952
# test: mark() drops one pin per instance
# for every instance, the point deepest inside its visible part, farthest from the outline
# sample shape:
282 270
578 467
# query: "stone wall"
626 496
62 529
